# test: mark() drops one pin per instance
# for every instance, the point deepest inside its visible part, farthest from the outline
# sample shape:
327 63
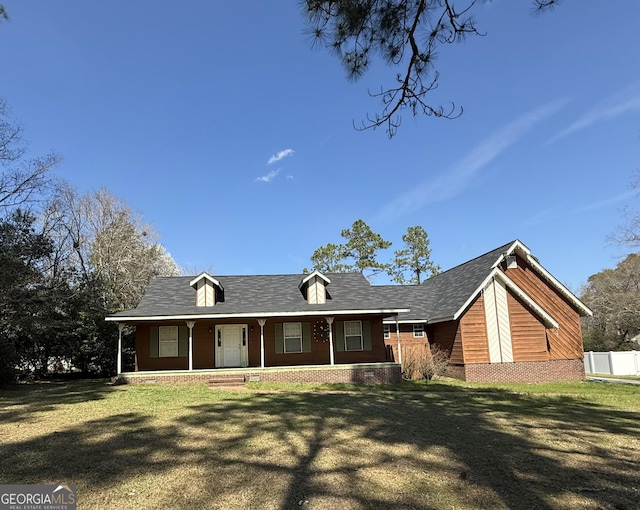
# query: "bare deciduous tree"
99 235
614 297
628 233
22 178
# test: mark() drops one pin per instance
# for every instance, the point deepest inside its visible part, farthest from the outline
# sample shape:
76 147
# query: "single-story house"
502 317
261 327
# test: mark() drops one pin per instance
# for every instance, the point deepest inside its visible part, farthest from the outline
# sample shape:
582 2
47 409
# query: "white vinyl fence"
614 363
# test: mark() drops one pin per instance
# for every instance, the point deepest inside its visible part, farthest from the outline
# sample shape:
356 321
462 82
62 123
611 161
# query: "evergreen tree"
412 264
358 254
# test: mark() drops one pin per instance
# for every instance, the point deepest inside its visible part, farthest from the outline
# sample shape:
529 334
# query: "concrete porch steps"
225 380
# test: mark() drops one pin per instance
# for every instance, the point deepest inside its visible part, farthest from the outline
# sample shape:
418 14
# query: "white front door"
231 345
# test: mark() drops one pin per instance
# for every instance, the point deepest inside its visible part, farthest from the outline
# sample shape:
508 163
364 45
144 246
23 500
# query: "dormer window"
206 289
314 288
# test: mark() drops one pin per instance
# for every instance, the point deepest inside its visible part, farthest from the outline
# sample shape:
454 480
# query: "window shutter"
339 335
279 337
366 335
153 342
183 341
306 337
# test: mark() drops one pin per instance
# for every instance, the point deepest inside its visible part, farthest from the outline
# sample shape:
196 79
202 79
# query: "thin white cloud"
269 177
600 204
326 139
622 102
555 213
544 216
279 156
453 182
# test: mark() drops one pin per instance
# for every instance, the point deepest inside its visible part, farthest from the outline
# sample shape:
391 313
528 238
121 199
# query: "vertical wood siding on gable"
205 293
504 326
316 291
498 324
474 333
566 342
528 333
491 319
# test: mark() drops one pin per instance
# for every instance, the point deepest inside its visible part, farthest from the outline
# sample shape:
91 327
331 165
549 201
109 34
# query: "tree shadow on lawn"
97 453
462 450
19 401
488 451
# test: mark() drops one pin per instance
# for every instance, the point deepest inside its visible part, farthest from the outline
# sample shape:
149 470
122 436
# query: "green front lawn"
447 446
610 376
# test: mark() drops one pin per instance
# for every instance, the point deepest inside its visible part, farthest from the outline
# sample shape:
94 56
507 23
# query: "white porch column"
119 357
330 322
190 325
261 323
398 339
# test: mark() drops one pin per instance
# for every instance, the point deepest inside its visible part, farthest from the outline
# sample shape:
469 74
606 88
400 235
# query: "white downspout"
398 339
331 357
261 323
119 357
190 325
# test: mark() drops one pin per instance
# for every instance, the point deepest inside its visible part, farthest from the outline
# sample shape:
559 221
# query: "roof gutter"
314 313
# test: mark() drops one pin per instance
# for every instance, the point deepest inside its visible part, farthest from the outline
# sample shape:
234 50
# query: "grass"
610 376
443 445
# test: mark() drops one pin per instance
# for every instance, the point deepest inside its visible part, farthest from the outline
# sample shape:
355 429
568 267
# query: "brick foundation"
370 373
524 371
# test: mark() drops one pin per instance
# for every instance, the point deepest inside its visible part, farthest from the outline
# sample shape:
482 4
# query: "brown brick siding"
407 341
366 374
204 345
525 371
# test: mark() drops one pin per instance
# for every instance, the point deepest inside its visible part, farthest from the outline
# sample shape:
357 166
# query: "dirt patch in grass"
570 446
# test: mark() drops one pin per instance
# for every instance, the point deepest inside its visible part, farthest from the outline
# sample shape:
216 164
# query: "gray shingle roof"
441 296
449 290
261 294
438 297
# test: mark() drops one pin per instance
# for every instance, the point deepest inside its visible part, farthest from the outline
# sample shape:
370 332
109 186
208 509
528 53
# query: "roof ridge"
398 285
215 275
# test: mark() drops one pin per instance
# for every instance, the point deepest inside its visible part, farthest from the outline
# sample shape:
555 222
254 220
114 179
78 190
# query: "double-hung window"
167 341
292 336
353 336
418 331
387 331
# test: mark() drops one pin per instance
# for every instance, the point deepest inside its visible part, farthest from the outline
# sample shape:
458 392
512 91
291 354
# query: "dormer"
206 289
314 288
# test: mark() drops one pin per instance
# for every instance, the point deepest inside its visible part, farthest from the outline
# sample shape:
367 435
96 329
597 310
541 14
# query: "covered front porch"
184 345
351 373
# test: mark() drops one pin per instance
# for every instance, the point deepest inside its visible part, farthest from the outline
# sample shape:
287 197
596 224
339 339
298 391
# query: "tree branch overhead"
407 35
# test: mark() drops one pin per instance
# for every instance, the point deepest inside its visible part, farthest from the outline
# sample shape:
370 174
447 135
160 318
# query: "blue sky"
226 131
